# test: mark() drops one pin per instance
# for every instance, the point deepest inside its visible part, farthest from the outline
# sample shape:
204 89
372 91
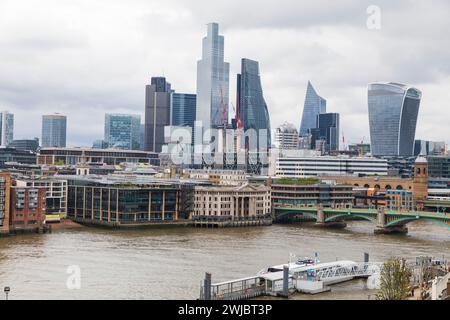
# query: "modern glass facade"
54 130
183 109
252 107
122 131
393 111
6 128
327 130
314 105
212 81
118 204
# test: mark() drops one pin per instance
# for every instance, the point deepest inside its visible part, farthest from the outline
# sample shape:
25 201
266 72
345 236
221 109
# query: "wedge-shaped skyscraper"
252 109
314 105
393 110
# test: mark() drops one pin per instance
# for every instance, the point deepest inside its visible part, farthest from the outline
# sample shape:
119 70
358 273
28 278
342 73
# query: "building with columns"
232 202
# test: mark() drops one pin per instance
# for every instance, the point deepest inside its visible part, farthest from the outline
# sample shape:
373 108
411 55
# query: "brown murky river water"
170 263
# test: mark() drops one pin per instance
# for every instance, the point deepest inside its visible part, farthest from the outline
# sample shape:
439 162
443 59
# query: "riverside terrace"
119 201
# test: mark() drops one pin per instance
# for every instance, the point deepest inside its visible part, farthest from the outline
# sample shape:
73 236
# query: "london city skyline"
84 70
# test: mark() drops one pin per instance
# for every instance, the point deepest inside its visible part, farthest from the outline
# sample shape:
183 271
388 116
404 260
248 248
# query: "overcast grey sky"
84 58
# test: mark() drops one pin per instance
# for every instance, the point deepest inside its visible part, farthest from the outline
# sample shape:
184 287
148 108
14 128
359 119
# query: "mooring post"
207 286
285 281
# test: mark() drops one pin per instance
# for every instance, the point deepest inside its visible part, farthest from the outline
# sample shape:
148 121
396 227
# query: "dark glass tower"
252 109
393 111
157 113
327 130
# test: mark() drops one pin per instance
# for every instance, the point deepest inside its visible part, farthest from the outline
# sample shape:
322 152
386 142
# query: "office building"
393 111
54 130
122 131
432 148
10 155
286 137
117 201
327 131
314 105
73 156
25 144
252 110
183 109
5 187
6 128
298 164
99 144
439 166
157 113
212 82
310 192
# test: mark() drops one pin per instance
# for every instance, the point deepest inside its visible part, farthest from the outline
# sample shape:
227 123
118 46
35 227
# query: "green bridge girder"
400 218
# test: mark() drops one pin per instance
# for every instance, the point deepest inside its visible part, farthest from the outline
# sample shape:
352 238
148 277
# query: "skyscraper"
252 109
212 81
122 131
182 110
54 130
393 111
314 105
327 130
157 113
6 128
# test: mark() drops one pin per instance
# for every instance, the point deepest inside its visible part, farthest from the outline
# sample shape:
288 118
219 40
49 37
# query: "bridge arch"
346 215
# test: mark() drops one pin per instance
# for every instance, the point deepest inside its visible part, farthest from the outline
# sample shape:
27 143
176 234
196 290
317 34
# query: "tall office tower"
6 128
314 105
212 82
327 130
183 109
286 137
142 137
157 113
393 110
122 131
54 128
252 108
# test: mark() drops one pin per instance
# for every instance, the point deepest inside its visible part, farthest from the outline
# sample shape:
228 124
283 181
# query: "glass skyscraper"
314 105
393 111
182 110
212 81
6 128
327 130
54 130
252 109
122 131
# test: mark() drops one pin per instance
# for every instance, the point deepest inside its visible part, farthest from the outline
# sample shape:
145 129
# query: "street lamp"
7 290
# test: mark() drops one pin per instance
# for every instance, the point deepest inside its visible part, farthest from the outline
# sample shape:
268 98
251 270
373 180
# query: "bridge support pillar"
382 229
320 216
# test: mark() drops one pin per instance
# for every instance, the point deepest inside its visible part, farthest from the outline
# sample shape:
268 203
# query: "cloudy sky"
83 58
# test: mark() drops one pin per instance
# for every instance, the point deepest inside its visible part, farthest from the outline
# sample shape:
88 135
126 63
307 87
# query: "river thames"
170 263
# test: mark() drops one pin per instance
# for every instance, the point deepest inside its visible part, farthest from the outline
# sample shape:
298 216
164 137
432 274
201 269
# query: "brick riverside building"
5 185
27 209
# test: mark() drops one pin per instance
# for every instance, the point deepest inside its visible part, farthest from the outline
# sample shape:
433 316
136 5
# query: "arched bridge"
386 221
